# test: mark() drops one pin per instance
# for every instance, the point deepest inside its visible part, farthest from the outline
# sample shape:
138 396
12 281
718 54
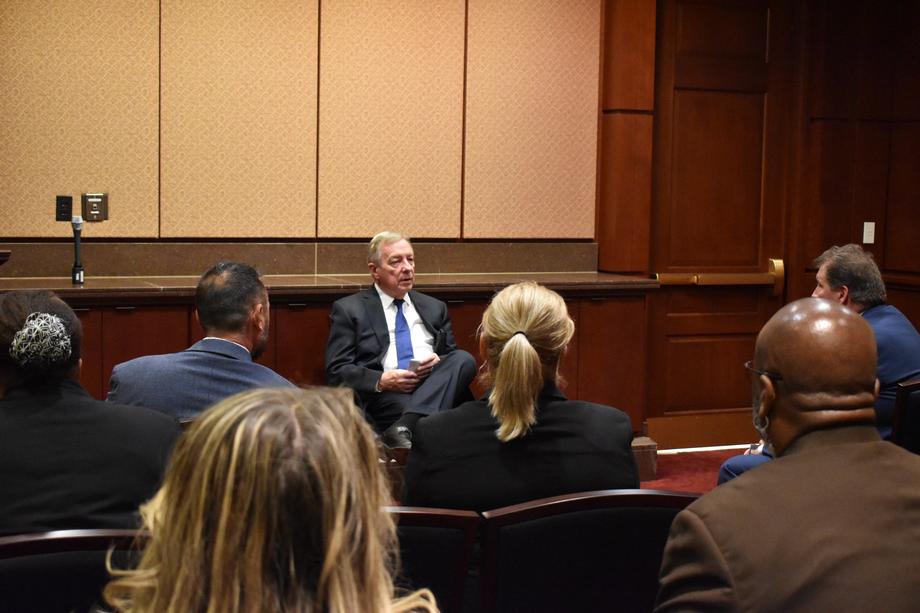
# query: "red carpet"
692 471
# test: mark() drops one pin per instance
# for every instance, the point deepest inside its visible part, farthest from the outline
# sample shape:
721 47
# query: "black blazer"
457 462
68 460
358 337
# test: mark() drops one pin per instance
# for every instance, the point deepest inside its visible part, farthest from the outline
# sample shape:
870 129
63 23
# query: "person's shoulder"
448 421
145 419
268 375
591 410
145 362
357 297
424 299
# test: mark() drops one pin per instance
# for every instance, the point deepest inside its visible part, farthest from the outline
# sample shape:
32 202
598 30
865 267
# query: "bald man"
833 523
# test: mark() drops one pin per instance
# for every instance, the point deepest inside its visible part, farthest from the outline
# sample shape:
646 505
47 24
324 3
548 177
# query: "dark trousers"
447 386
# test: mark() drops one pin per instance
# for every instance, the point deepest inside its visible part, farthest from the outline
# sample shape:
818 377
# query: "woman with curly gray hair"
67 460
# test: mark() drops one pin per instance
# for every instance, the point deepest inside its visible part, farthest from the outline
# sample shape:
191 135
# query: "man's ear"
257 314
197 319
844 297
767 397
878 388
373 268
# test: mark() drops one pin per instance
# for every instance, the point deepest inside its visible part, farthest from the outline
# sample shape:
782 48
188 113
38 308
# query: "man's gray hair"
854 267
380 239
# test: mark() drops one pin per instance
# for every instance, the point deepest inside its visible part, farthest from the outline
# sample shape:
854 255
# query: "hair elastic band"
518 332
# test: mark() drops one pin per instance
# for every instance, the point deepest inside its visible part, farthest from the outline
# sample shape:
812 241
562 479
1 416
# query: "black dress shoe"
397 437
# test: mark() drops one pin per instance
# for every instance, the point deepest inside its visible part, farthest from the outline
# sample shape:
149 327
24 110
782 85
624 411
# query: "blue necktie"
403 338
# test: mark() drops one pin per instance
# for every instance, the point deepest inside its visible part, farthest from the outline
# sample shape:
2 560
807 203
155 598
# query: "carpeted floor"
692 471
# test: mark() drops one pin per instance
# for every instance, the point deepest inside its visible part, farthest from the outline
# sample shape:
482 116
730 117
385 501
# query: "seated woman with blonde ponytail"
524 440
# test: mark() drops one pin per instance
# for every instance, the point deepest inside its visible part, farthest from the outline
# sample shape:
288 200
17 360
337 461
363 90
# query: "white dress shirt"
422 339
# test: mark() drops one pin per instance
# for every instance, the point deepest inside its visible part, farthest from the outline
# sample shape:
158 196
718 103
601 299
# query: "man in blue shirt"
850 276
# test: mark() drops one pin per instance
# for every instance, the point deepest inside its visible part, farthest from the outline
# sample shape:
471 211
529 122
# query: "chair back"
591 551
905 430
62 570
435 548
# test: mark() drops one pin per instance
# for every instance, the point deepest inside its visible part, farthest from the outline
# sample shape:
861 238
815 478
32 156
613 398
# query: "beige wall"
275 120
78 113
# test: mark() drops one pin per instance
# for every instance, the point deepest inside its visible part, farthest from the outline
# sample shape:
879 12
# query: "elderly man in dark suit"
833 523
232 306
395 347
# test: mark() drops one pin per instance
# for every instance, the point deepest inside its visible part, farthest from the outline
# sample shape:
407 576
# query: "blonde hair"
525 330
273 501
380 239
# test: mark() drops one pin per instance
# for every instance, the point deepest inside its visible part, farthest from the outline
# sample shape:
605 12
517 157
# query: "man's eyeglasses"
766 373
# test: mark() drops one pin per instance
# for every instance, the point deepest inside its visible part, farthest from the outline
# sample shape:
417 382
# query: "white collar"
387 300
226 340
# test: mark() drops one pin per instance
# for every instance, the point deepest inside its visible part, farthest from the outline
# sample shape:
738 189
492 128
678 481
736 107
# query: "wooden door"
723 118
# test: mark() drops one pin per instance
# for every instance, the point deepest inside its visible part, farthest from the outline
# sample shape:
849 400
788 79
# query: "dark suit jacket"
358 337
186 383
457 462
68 460
832 525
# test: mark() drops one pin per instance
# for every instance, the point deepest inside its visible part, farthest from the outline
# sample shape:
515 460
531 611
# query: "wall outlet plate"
63 208
868 232
95 207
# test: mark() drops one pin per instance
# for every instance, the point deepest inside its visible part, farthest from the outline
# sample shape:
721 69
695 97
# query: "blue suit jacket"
898 358
185 383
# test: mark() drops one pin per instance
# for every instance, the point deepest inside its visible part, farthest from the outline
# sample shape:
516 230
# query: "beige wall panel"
78 113
238 119
531 118
391 118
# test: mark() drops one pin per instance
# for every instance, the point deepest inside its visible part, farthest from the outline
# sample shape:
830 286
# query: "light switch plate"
868 233
95 207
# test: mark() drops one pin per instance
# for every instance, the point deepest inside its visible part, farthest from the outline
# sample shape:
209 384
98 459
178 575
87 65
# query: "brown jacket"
832 525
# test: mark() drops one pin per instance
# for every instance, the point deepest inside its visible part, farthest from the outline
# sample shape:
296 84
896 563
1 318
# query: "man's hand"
425 366
404 381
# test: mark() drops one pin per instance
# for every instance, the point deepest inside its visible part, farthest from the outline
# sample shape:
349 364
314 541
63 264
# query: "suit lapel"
426 316
376 318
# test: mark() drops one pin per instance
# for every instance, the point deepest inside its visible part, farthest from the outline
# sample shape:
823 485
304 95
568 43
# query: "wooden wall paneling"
907 300
130 332
531 119
903 214
629 54
824 214
612 355
624 213
78 113
267 358
91 352
570 364
391 118
876 60
238 118
301 332
834 30
465 317
906 103
870 186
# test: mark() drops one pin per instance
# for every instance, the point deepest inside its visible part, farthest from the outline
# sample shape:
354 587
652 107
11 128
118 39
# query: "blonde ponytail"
525 331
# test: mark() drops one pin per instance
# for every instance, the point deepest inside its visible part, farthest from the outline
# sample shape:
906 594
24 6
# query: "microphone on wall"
77 272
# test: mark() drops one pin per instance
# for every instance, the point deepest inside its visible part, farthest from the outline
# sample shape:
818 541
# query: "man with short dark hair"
231 303
831 524
395 346
851 277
